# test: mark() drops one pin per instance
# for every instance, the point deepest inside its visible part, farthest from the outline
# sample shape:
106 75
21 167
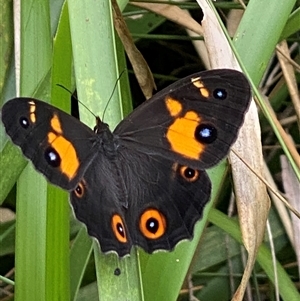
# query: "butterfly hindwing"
169 215
164 200
96 203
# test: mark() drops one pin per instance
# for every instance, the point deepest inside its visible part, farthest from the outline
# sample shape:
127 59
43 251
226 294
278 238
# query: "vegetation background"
44 253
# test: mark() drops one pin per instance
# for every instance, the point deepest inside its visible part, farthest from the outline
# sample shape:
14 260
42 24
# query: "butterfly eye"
52 157
189 174
220 94
79 190
24 122
118 228
152 224
206 133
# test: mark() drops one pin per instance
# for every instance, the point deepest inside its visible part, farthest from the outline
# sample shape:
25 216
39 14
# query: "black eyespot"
120 229
79 190
52 157
220 94
189 173
117 272
206 133
152 225
24 122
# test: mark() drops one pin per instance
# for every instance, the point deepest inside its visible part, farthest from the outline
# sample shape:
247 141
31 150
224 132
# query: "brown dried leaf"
283 55
172 13
140 67
252 199
292 189
182 18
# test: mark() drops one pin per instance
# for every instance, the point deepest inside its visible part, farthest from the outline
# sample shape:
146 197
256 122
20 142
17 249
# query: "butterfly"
144 184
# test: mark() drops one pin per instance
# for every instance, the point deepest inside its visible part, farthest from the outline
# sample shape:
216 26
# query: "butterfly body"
144 183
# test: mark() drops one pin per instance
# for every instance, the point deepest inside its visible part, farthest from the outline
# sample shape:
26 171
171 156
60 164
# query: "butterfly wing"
97 202
164 147
193 122
164 201
60 146
168 206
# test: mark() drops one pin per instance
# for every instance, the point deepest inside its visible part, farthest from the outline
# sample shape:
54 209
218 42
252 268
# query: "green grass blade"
292 25
30 259
80 254
119 278
94 60
254 46
9 154
36 45
6 41
96 69
58 210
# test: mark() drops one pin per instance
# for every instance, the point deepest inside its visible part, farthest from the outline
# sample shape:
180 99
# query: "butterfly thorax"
108 143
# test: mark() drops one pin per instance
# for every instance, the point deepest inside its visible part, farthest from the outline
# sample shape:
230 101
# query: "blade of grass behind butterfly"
58 211
35 61
6 42
292 25
247 38
8 152
82 243
96 72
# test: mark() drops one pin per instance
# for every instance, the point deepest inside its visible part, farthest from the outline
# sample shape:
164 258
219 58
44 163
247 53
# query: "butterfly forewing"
194 121
60 146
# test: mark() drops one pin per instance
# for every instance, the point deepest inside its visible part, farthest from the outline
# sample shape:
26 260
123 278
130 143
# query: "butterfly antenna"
59 85
113 91
77 99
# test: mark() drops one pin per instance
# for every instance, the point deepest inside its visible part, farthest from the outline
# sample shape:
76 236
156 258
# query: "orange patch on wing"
174 106
199 84
32 109
65 149
69 161
55 124
181 136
